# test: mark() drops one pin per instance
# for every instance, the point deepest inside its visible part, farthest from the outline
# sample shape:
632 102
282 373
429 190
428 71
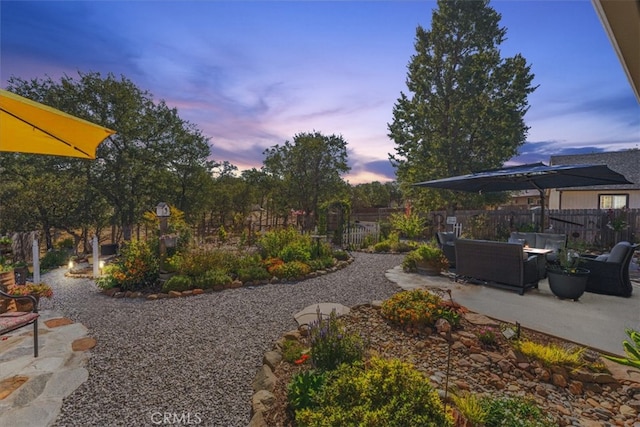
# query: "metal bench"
12 320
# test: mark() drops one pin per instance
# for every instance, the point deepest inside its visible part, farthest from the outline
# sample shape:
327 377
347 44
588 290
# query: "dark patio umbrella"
535 176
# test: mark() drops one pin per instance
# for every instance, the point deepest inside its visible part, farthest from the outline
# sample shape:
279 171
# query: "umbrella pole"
541 210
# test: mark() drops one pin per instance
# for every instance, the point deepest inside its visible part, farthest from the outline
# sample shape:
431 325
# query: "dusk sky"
252 74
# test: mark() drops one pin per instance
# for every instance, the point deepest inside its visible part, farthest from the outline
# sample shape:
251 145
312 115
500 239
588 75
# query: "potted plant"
426 259
36 290
566 279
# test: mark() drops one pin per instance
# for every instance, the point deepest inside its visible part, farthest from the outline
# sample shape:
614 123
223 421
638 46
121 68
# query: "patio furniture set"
521 262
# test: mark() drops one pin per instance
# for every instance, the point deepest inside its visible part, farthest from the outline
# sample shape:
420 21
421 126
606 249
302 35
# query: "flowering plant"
487 335
39 290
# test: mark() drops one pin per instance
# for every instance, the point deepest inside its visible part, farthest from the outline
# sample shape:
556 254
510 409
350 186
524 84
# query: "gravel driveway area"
192 359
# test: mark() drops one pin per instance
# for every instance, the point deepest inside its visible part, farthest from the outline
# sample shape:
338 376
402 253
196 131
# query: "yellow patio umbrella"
27 126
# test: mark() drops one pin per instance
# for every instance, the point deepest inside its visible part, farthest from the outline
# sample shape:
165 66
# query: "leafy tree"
154 156
310 170
375 195
466 107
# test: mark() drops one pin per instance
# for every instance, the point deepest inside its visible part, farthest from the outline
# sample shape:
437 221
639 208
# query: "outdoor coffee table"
542 260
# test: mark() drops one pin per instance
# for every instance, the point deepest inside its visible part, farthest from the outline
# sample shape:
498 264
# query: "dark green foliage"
304 388
54 259
465 106
341 255
320 263
178 283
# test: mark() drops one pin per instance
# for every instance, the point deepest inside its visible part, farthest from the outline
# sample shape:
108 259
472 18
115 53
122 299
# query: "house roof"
624 162
621 21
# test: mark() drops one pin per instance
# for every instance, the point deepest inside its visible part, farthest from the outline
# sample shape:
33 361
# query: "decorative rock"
627 411
257 420
272 359
304 330
187 293
377 304
128 294
198 291
174 294
152 297
559 380
264 380
83 344
575 388
61 321
262 401
163 295
479 358
235 284
292 335
111 292
119 295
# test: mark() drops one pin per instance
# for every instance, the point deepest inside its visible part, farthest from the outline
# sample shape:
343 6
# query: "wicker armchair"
447 242
609 273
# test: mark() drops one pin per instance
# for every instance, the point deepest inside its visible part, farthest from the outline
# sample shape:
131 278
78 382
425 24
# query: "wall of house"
587 199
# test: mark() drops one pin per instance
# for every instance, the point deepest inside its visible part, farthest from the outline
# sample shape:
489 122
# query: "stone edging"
116 293
577 382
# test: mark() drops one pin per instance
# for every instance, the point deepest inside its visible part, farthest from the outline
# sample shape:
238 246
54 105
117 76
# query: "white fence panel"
356 235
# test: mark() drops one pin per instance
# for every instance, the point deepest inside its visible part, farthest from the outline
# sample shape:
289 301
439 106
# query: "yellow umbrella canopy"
27 126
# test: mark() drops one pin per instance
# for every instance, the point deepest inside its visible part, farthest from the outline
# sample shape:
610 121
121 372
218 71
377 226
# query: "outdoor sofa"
500 264
552 241
609 273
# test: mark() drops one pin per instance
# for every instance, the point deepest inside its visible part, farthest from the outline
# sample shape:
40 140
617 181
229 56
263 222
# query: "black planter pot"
568 285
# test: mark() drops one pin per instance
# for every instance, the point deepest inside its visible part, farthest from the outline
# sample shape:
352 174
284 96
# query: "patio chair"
447 242
609 273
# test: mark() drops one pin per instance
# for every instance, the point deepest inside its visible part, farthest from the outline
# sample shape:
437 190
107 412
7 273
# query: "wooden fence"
591 227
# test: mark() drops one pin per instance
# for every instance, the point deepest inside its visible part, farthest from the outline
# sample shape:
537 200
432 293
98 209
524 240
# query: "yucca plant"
631 349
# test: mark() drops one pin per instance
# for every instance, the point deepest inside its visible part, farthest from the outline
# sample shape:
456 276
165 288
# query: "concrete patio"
596 321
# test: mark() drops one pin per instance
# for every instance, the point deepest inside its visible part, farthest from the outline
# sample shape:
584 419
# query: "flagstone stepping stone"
310 314
9 385
55 323
83 344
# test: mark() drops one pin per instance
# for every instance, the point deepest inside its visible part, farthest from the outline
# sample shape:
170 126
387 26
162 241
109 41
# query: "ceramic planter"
568 285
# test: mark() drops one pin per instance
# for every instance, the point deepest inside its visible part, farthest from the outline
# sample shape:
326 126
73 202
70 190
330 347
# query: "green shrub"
196 263
296 251
177 283
428 254
417 308
66 243
292 350
107 280
291 270
409 225
341 255
252 273
332 345
507 412
384 246
54 259
212 278
403 247
136 268
272 242
383 392
303 389
321 263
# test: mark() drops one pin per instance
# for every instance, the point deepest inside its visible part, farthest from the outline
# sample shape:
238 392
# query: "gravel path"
192 359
